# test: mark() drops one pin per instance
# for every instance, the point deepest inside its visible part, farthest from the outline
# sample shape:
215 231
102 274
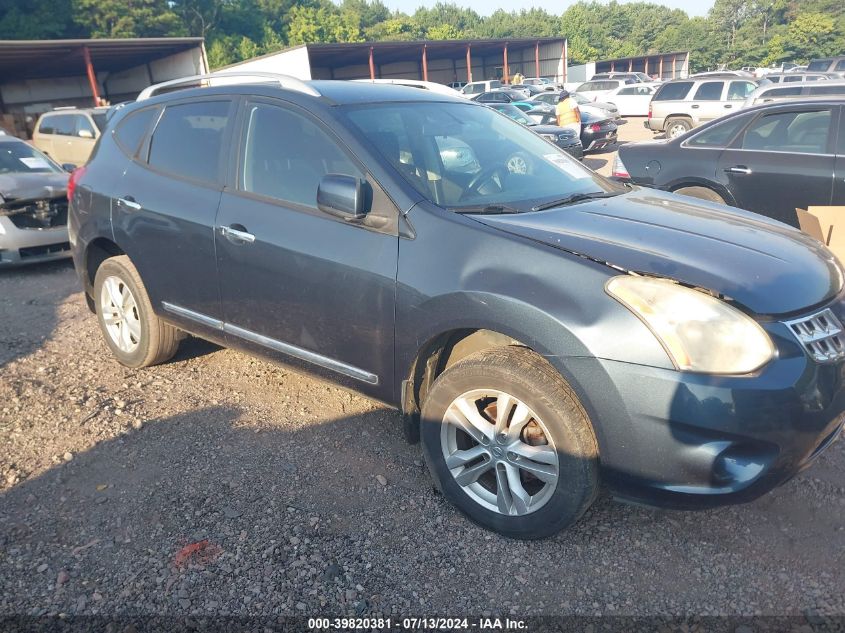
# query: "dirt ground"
221 484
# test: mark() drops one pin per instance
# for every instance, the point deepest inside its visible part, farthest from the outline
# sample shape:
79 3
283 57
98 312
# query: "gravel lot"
221 484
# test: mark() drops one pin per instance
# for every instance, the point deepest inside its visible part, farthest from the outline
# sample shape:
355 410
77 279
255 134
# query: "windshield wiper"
575 197
489 209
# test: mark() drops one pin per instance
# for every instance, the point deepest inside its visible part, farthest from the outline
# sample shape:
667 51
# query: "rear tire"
676 127
702 193
132 331
527 474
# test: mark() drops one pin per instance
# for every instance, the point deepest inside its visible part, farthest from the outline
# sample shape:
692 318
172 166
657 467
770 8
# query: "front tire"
507 441
677 127
132 331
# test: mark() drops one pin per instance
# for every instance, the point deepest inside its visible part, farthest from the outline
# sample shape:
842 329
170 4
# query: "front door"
782 161
314 290
164 209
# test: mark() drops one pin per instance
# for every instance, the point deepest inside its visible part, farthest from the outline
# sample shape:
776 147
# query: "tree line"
734 33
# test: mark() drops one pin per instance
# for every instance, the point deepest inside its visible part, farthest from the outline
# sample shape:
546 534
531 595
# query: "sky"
486 7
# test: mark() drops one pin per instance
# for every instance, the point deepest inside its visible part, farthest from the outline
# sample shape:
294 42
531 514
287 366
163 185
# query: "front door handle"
129 203
237 234
694 107
729 105
738 169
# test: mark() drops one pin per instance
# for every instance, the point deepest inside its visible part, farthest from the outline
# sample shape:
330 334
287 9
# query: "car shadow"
594 163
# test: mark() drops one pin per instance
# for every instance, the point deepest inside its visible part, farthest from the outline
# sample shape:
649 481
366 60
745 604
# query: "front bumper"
30 246
689 441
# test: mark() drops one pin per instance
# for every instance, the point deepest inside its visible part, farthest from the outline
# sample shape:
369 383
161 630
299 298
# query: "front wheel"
507 441
134 334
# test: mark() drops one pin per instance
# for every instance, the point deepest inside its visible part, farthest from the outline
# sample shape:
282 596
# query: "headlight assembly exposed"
699 332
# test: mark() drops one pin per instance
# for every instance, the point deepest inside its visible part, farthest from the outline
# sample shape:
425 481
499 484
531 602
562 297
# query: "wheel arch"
693 181
97 251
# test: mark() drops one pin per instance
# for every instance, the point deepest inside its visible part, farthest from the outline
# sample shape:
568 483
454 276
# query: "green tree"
127 18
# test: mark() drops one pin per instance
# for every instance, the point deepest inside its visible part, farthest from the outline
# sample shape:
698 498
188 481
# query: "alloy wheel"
120 314
499 452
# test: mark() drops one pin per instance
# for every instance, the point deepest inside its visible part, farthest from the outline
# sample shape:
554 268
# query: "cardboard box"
827 225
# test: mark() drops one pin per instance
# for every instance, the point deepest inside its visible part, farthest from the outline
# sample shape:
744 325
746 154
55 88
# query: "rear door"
64 131
708 101
783 160
163 215
314 289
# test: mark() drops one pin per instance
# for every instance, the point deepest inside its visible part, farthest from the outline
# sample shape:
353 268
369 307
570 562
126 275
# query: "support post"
660 68
565 60
674 66
505 71
372 65
424 63
536 59
469 65
92 78
630 65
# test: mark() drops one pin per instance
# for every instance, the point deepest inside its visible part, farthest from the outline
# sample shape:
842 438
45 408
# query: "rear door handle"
729 105
129 203
694 107
237 234
738 169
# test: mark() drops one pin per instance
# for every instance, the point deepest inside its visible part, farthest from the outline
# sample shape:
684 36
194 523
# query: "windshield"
470 158
18 157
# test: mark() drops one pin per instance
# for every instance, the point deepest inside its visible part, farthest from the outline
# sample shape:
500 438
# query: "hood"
22 186
768 267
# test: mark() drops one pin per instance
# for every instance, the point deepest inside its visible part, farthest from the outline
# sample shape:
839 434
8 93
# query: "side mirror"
83 133
343 197
68 167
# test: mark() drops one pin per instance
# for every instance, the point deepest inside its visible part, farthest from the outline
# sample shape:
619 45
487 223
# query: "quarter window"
709 91
795 132
188 139
132 129
275 167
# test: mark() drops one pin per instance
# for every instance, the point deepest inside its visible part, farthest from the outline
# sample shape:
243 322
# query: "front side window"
285 155
84 127
188 139
782 92
709 91
739 90
586 87
47 125
840 65
673 91
131 130
794 132
491 160
64 125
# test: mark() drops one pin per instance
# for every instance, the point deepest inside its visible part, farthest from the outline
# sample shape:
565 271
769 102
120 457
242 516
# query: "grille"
821 335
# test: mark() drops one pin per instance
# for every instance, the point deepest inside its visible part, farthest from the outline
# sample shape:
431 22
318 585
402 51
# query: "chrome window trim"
279 346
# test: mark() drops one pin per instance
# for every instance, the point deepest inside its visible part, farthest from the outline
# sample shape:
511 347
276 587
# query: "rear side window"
131 131
819 64
46 125
673 91
794 132
188 139
628 91
709 91
275 167
64 125
719 135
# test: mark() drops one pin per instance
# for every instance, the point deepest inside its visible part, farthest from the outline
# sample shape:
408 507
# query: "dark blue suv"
542 330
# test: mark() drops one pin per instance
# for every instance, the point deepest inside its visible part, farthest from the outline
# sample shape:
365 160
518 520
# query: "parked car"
68 134
632 100
543 82
33 205
529 89
542 329
547 127
477 87
722 73
792 76
599 108
636 76
770 159
801 90
834 65
456 85
534 106
597 132
597 90
683 104
500 95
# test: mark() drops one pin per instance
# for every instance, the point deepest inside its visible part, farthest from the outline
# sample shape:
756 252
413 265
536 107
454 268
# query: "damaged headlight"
699 332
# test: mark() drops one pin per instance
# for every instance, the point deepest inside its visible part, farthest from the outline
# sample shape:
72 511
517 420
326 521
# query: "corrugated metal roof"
39 59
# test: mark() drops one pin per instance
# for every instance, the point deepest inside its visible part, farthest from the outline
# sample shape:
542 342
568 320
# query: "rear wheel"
676 127
507 441
134 334
702 193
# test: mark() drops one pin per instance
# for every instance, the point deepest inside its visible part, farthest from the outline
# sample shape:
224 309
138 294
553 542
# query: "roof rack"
285 81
